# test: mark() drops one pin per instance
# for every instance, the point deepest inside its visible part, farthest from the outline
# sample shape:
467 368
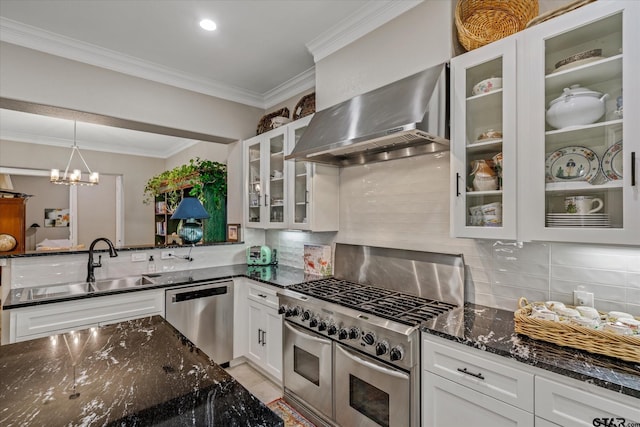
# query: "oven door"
370 393
307 368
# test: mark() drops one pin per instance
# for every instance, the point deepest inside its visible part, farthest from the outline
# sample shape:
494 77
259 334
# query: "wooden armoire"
12 221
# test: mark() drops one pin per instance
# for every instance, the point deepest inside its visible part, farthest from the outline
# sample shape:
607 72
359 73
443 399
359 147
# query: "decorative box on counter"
569 334
317 260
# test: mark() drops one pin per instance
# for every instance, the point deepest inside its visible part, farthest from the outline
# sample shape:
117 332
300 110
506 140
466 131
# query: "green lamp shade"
189 210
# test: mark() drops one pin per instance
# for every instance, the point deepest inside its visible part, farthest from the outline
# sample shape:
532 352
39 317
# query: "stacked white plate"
594 220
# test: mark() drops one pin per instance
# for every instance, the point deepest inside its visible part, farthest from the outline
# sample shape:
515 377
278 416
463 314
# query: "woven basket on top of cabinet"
480 22
568 335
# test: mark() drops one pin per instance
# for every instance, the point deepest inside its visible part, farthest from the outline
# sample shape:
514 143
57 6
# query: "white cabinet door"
240 318
448 404
273 343
483 143
595 159
257 332
44 320
569 406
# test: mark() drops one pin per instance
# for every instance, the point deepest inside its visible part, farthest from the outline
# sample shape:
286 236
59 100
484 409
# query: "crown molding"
368 18
55 44
292 87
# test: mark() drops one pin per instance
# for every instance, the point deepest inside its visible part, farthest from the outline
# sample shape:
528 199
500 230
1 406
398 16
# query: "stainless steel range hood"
403 119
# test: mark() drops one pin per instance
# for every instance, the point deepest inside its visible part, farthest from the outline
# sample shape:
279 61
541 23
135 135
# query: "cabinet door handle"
464 371
262 296
458 194
633 168
259 336
265 200
264 338
306 196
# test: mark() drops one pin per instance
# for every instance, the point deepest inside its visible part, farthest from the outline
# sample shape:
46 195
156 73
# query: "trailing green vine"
197 174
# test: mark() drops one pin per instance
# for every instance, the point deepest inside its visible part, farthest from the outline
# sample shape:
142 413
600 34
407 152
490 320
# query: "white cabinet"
569 406
264 329
240 317
596 160
265 186
288 194
484 137
555 167
460 387
49 319
313 189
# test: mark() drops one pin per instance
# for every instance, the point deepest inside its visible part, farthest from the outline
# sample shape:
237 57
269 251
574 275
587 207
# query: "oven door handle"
304 335
374 366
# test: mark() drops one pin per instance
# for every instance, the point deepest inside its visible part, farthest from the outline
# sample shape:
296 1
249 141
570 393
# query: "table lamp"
189 211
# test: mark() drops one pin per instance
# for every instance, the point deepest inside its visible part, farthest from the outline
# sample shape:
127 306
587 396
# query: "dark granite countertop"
134 373
492 330
275 275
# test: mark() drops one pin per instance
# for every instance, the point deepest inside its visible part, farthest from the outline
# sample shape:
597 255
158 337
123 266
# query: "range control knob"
397 353
306 315
282 309
322 325
369 338
313 322
292 312
382 348
354 333
343 334
332 329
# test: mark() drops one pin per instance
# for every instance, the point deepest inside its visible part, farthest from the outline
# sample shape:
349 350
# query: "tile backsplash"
405 204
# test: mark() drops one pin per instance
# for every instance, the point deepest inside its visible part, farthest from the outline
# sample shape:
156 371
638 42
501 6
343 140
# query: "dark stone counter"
492 330
275 275
135 373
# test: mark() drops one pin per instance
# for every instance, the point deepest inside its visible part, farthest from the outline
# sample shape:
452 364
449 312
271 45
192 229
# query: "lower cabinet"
569 406
263 328
447 403
45 320
466 386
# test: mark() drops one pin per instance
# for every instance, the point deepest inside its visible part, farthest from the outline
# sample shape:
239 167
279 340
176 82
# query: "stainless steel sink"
122 283
74 289
56 291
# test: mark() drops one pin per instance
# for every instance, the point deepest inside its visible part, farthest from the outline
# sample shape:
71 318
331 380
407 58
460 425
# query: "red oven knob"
397 353
332 329
322 325
343 334
381 348
369 338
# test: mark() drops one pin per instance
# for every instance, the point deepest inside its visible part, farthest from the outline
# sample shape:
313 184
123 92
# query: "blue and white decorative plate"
572 163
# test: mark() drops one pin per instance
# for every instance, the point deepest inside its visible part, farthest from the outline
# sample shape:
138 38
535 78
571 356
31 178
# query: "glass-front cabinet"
265 180
484 142
300 173
580 124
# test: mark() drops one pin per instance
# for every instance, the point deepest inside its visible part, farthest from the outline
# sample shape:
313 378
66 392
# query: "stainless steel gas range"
351 347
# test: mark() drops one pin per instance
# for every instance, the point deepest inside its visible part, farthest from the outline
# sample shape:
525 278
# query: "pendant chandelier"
75 177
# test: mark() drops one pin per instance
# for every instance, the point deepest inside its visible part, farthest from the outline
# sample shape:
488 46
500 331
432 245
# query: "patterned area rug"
291 417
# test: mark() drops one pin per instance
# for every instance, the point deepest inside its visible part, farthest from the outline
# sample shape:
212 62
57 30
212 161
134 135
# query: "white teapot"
576 106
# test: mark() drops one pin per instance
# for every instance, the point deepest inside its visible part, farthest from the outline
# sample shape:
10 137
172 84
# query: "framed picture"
233 232
56 217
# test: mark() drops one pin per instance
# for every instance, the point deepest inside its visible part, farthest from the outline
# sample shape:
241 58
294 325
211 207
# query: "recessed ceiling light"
208 25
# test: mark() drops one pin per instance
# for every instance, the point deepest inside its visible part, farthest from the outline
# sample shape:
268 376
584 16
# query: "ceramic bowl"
487 85
593 53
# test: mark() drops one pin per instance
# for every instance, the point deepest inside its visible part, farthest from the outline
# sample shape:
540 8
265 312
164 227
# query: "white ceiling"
262 53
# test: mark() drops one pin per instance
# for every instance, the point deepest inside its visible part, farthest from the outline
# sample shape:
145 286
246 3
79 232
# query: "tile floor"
261 387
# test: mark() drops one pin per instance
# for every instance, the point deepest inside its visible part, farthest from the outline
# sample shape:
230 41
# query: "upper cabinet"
287 194
564 113
579 126
483 163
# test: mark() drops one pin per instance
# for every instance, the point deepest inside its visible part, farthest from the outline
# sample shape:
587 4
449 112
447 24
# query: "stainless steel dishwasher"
204 314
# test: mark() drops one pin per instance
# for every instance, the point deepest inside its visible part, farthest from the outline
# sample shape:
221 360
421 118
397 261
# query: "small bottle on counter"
151 266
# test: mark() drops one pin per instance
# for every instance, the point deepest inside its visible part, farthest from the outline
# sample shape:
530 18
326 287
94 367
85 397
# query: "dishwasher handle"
198 293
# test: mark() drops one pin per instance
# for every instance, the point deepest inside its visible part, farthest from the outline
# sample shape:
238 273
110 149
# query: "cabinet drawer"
447 403
569 406
264 295
504 383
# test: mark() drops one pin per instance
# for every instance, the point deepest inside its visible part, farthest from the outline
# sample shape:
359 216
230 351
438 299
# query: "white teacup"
276 174
582 204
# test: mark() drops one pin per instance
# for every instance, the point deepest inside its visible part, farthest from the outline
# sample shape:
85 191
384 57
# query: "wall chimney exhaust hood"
402 119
